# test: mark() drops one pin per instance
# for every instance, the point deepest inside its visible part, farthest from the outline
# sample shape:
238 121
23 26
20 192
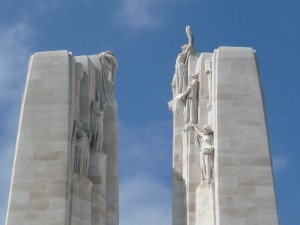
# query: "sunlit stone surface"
222 170
66 160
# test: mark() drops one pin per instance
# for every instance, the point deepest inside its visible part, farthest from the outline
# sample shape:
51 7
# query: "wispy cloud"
43 6
147 147
6 159
144 200
280 163
14 55
139 13
145 173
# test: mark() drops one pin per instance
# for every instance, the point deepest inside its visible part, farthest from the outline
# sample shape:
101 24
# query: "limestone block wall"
59 177
81 202
244 178
40 173
222 170
179 187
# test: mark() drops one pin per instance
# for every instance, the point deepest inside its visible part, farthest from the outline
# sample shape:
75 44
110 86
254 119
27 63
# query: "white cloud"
147 147
46 5
14 55
144 13
6 159
145 173
139 13
144 200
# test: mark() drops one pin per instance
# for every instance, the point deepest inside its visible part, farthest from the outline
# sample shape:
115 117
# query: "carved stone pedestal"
81 201
205 204
98 176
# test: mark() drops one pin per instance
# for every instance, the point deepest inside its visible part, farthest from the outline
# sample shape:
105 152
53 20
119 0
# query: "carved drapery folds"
180 79
208 72
81 150
97 127
79 77
189 97
91 138
93 181
109 67
192 85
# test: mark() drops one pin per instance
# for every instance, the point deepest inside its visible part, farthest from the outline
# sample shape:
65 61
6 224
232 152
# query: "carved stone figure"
109 67
97 127
77 126
208 72
79 77
180 78
205 144
81 151
189 96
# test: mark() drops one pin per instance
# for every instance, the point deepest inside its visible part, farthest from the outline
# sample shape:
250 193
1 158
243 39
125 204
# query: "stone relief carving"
180 78
189 96
79 77
208 72
97 126
206 147
109 66
81 149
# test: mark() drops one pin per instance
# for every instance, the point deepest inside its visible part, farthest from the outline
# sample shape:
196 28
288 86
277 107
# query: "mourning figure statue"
81 151
97 127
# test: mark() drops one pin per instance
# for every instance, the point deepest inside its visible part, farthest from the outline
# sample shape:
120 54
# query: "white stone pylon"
59 177
222 172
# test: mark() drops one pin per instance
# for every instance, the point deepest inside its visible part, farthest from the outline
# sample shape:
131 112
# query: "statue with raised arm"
189 97
97 126
206 147
82 153
180 78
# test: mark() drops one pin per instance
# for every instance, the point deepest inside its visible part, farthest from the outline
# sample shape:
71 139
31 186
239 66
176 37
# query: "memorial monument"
222 169
66 162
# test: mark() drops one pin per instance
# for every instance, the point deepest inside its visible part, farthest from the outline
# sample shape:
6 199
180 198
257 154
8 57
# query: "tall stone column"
221 158
66 160
179 186
244 177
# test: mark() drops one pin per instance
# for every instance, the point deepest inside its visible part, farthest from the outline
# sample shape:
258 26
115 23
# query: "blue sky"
146 36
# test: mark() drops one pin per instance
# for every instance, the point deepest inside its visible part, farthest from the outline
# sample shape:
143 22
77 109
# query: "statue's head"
207 129
184 48
81 133
77 123
110 53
